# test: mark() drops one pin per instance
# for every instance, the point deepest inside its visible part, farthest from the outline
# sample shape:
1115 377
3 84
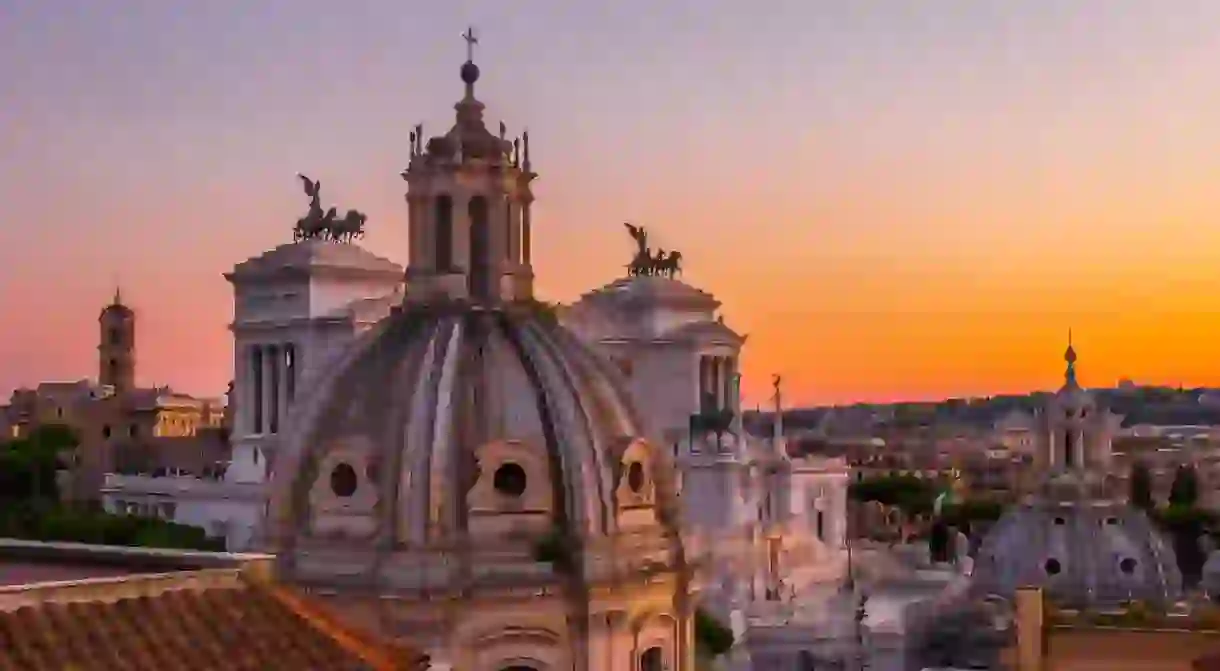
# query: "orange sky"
891 204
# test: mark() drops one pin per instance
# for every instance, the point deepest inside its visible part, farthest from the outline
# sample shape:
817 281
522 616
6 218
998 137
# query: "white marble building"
770 530
293 308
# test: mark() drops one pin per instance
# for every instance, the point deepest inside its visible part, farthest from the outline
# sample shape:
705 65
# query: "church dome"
1095 553
468 476
449 428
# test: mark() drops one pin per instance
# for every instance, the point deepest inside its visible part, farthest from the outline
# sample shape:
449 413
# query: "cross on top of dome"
470 71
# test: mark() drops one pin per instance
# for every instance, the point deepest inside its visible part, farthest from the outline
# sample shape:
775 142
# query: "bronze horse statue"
319 225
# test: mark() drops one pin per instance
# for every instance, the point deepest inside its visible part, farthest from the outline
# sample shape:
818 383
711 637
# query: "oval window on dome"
1053 567
635 476
343 480
1127 566
509 480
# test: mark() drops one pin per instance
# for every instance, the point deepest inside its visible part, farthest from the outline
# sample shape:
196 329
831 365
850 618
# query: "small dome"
1097 553
446 428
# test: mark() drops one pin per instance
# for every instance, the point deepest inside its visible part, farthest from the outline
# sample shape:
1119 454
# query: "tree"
1141 486
1184 492
28 465
914 496
939 541
711 636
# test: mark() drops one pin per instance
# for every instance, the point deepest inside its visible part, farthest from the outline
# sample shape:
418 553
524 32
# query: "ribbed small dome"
1081 553
454 427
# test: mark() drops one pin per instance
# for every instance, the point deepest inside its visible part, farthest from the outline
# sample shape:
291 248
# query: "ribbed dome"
456 428
1085 553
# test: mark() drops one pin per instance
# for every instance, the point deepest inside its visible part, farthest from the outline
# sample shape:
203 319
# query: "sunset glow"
893 202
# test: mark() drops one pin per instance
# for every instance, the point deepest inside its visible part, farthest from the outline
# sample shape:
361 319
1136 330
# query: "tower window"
116 336
480 249
105 431
444 234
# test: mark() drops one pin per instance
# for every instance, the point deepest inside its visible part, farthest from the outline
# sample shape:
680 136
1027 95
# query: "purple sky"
799 153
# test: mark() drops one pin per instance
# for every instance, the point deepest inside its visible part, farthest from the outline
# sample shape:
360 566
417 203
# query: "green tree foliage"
28 465
939 541
1141 486
1185 526
68 525
30 508
972 514
711 636
1185 488
914 496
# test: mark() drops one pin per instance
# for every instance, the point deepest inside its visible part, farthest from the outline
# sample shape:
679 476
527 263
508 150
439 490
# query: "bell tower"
469 198
117 346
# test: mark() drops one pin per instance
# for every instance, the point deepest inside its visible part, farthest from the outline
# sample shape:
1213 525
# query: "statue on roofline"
325 225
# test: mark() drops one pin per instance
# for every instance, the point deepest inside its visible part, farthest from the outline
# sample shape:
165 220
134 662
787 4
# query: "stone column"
703 376
512 228
526 233
281 397
415 231
241 389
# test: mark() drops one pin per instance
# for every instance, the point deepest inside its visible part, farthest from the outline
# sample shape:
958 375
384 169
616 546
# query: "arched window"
443 254
479 280
1069 449
653 659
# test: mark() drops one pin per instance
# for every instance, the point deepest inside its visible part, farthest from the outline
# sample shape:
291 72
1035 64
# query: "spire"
118 295
1069 356
470 71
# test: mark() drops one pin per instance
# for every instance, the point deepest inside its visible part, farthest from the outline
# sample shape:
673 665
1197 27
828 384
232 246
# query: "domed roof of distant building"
1072 536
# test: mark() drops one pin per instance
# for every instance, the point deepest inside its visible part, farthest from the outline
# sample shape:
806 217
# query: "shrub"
711 636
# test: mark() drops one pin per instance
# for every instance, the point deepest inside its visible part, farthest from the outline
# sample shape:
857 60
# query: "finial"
471 40
1069 356
525 150
470 71
118 294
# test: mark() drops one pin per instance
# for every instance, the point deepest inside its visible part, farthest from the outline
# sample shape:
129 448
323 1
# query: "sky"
894 199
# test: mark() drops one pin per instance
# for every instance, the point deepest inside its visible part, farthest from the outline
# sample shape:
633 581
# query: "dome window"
635 476
343 480
509 480
1053 567
1059 521
1112 521
1127 566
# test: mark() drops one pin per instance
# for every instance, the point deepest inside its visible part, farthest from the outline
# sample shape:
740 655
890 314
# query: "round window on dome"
343 480
1053 567
635 476
509 480
1127 566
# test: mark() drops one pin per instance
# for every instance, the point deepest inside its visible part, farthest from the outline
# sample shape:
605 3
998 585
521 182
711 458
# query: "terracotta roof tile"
252 627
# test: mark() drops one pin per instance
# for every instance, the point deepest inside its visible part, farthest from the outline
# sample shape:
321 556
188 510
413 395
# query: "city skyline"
894 205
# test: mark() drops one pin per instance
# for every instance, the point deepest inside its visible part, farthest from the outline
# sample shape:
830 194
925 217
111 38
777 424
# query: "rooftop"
70 606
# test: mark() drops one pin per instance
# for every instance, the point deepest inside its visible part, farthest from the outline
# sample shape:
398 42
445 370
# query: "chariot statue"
647 264
325 225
